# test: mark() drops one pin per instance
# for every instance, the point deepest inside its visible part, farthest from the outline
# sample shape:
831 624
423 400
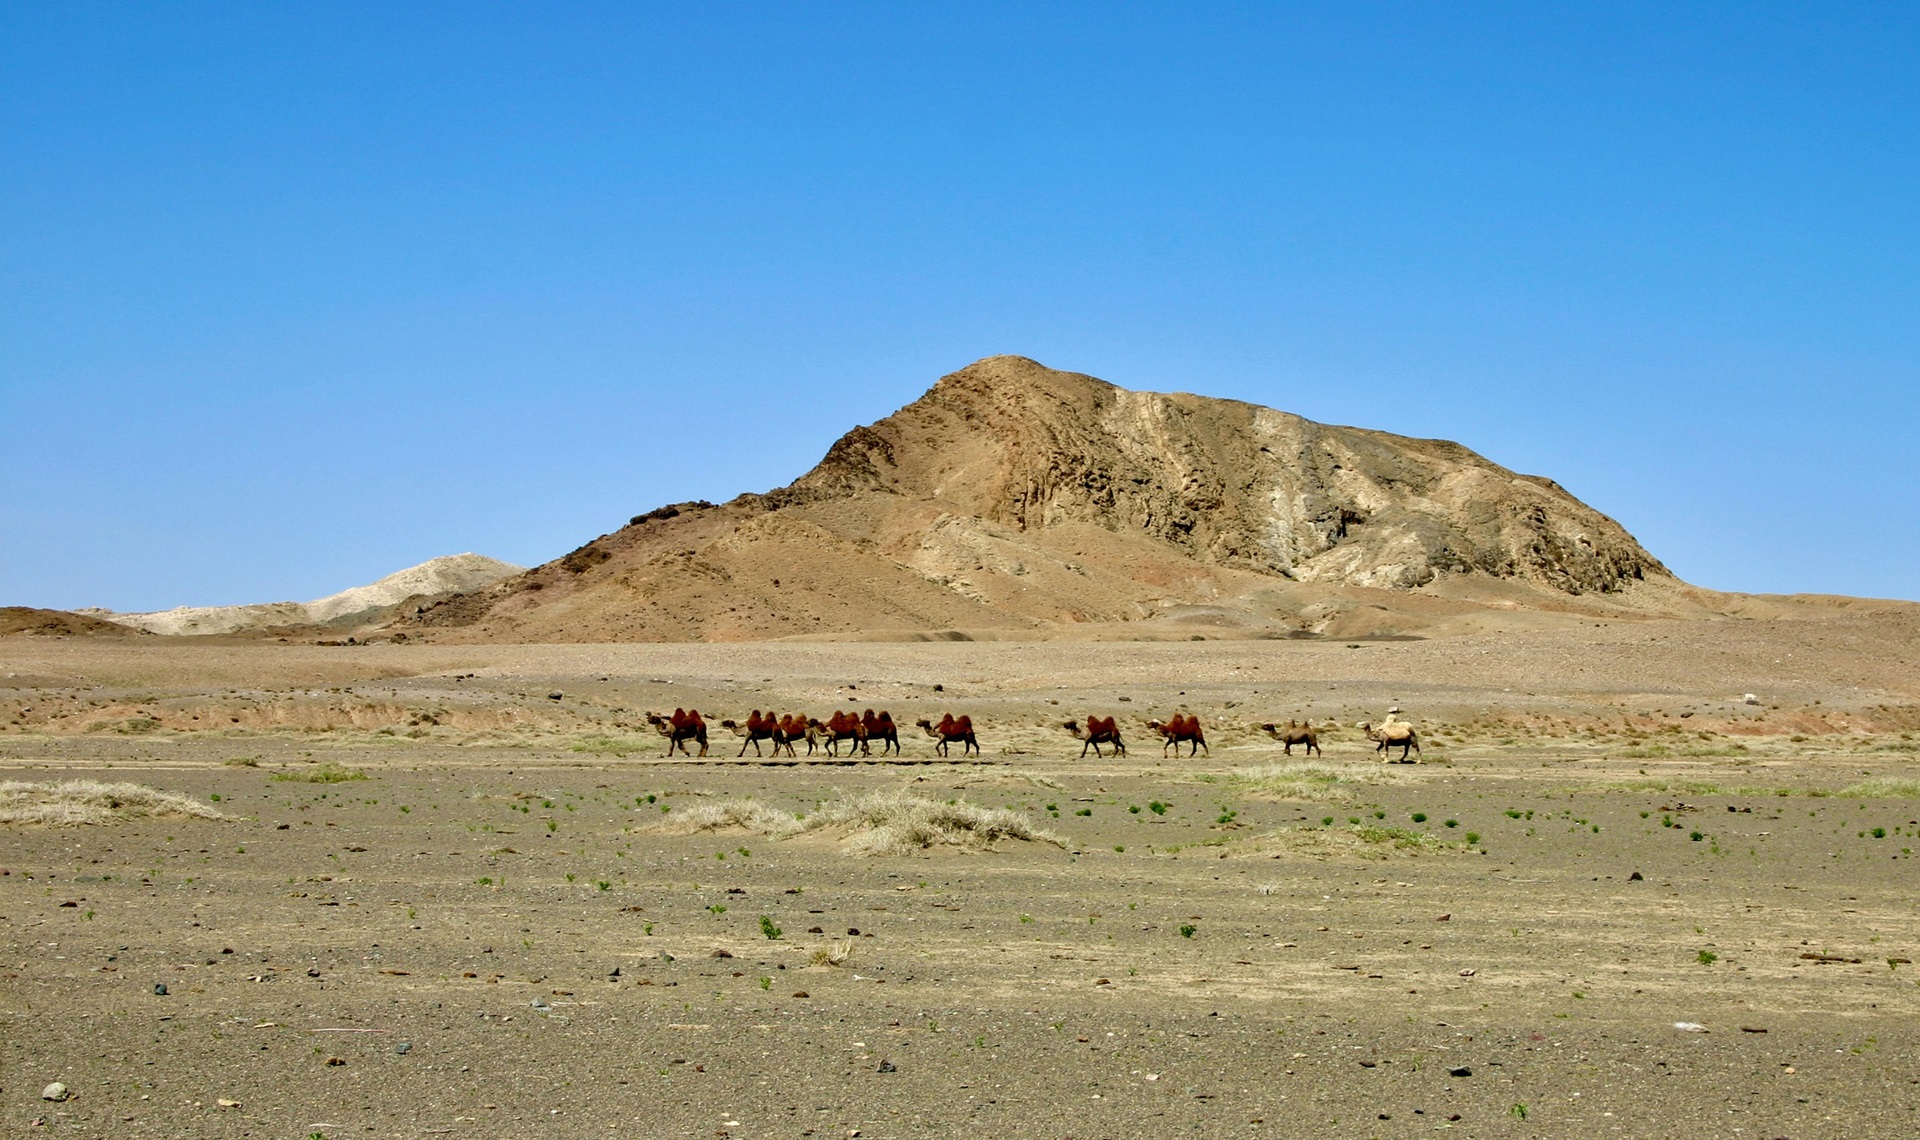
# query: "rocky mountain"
1015 500
434 578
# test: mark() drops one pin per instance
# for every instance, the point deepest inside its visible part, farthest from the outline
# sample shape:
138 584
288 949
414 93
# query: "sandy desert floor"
456 894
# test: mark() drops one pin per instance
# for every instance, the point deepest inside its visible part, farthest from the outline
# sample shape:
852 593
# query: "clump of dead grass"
1883 788
836 954
1310 776
879 823
72 802
746 814
896 823
328 773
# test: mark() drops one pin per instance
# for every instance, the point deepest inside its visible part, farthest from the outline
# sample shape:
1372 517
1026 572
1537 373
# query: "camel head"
923 722
1073 726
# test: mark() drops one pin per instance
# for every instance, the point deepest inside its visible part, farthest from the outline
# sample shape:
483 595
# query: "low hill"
1015 500
431 579
25 620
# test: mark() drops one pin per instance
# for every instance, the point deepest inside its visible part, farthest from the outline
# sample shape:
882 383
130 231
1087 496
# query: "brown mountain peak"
1014 496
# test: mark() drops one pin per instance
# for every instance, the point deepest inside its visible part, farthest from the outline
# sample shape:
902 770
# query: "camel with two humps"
756 729
682 726
1292 733
881 728
951 729
1393 734
1098 731
842 726
1180 728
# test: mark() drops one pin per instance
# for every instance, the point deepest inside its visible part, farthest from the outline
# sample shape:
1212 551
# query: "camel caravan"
861 732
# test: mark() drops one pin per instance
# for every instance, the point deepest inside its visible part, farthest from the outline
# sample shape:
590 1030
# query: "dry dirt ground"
448 901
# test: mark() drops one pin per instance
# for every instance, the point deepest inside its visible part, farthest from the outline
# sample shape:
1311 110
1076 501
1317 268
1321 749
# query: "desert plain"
458 890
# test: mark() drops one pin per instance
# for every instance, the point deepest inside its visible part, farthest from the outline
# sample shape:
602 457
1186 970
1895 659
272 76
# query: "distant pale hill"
431 579
1015 500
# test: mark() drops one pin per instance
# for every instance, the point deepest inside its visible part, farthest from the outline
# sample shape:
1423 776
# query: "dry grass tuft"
1884 788
881 823
895 823
732 813
328 773
834 955
1310 776
72 802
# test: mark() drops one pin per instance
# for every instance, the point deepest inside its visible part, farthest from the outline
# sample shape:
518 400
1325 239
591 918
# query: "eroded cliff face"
1227 483
1014 497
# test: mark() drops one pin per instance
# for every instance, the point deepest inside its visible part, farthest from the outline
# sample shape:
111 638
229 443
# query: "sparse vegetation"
1309 777
881 823
75 802
328 773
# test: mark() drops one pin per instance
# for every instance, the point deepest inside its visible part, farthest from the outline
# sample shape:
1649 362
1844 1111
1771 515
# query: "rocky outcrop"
1018 499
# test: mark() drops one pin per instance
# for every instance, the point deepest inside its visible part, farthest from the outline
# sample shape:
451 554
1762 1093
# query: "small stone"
541 1004
800 993
1636 877
55 1091
336 1060
160 989
313 971
1462 1071
886 1067
225 1102
555 696
403 1048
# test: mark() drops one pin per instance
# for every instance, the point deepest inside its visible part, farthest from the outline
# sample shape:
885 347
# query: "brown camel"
842 726
682 726
756 729
1293 734
792 727
1180 729
1394 734
881 728
950 729
1097 732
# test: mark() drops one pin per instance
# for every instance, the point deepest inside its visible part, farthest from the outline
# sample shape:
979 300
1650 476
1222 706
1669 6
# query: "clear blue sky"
293 295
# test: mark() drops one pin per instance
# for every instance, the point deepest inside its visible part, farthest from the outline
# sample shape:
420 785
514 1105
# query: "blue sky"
294 295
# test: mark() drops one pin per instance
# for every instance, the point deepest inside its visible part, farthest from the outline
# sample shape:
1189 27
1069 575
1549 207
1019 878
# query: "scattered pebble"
55 1091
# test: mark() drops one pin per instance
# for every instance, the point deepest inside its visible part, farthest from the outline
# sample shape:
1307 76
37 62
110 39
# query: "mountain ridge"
1012 499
